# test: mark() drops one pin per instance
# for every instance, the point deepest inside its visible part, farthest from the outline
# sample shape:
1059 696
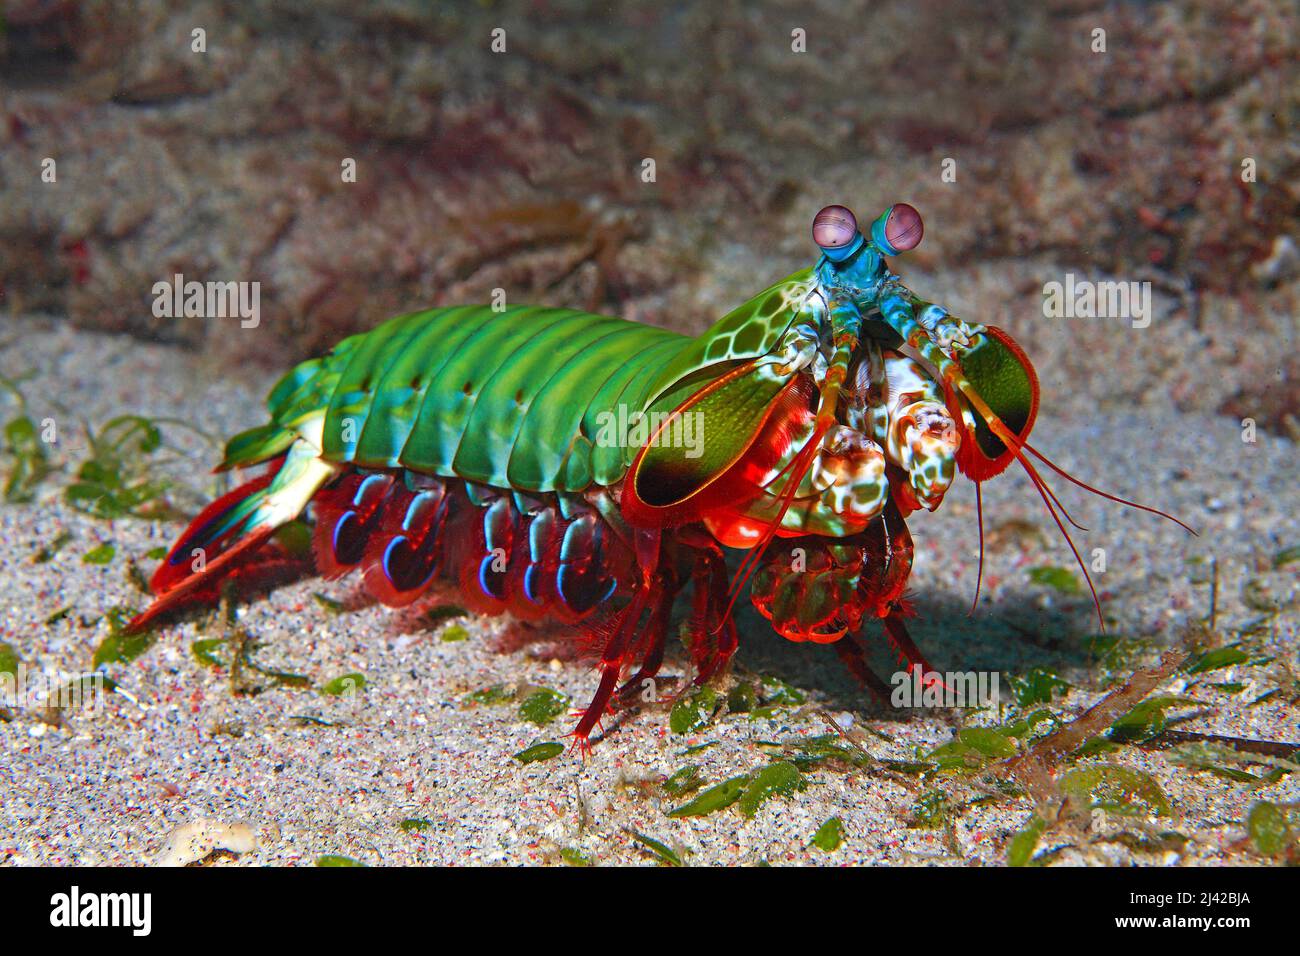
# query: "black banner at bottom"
225 903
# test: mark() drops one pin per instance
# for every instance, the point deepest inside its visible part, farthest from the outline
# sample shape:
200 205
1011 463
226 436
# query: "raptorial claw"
927 442
849 471
944 328
921 436
803 349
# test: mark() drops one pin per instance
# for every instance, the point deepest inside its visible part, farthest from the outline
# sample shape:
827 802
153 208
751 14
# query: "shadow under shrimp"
1006 638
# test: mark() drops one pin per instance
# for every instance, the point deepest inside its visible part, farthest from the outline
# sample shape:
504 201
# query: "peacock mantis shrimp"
476 447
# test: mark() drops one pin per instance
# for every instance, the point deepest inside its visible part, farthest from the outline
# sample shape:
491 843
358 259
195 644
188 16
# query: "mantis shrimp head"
898 229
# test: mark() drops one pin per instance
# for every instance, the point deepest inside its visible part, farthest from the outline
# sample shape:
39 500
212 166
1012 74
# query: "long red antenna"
979 518
1057 501
1019 445
1097 491
1044 492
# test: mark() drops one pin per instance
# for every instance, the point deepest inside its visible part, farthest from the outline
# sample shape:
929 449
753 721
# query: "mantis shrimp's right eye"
903 227
834 228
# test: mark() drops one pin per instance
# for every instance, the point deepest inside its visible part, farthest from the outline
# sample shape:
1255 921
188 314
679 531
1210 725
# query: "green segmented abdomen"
511 398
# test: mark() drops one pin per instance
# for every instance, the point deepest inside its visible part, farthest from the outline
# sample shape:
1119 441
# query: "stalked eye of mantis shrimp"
553 464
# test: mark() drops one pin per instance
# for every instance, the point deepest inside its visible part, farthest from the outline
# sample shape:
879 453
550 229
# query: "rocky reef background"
523 169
